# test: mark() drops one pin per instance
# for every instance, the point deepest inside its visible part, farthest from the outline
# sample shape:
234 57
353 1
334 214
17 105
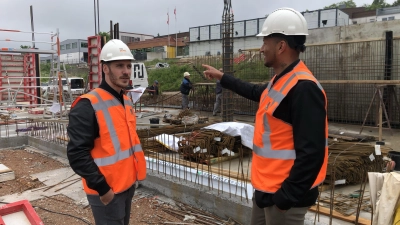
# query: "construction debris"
6 173
186 117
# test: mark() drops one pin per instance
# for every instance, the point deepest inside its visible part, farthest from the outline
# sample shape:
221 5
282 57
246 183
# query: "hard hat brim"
265 35
120 58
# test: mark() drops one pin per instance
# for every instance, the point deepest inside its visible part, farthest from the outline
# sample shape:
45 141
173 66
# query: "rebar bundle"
200 146
350 161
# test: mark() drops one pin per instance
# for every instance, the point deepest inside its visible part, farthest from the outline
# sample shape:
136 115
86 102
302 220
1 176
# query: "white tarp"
245 131
389 198
169 141
136 93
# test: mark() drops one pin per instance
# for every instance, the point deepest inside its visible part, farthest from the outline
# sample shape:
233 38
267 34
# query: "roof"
180 35
134 33
358 12
388 11
157 42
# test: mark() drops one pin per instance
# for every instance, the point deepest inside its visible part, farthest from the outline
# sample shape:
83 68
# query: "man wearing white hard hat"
185 88
104 148
290 152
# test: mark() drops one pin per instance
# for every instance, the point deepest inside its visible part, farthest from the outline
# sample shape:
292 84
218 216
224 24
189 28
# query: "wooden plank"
6 173
215 160
7 176
337 215
4 169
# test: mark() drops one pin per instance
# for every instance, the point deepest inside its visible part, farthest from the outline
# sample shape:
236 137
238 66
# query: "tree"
25 46
348 4
377 4
396 3
107 35
158 34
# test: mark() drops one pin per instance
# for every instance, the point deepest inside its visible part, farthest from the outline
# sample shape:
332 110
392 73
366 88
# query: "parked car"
77 86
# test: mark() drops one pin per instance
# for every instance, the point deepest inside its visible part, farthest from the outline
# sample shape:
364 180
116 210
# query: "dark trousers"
117 212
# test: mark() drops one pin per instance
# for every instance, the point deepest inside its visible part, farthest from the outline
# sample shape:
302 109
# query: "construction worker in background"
218 95
104 148
153 89
290 150
153 92
185 88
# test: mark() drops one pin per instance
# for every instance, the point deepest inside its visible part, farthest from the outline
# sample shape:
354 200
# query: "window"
355 22
68 46
371 20
62 47
84 45
391 18
74 45
384 19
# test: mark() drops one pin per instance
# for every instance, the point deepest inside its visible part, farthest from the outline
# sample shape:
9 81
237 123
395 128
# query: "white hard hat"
285 21
186 74
115 50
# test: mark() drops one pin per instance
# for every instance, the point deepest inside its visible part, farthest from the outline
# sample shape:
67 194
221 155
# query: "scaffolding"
21 84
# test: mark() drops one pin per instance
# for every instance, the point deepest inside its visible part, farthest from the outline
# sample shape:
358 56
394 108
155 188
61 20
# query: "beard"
114 80
269 63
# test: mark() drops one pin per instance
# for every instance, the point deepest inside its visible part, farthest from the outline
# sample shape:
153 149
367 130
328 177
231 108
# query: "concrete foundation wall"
219 204
155 55
12 142
59 150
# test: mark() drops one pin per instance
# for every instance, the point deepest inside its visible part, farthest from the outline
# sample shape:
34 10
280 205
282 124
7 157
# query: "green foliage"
348 4
107 35
72 71
25 46
169 78
376 4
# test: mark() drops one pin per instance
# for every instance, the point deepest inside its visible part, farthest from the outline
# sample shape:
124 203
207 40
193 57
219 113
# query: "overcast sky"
75 18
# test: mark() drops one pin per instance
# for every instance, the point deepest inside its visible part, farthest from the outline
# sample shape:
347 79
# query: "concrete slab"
72 189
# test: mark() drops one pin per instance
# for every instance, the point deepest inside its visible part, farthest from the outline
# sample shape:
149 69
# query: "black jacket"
304 109
186 85
82 130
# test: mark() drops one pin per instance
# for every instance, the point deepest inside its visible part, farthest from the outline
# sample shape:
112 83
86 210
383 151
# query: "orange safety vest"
273 145
117 151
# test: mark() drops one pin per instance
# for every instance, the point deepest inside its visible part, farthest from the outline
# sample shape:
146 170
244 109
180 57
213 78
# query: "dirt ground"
147 207
24 163
145 210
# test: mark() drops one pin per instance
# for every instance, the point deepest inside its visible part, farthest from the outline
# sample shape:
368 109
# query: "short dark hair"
295 42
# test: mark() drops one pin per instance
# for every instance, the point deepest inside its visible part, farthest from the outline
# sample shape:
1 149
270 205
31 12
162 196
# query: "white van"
139 76
77 86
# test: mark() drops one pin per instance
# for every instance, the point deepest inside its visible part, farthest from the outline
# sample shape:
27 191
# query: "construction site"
198 165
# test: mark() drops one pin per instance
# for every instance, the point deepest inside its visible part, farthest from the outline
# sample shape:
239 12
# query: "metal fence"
184 153
349 73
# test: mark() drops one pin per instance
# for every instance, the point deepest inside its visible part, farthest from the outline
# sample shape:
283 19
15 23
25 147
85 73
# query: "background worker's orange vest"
273 144
117 152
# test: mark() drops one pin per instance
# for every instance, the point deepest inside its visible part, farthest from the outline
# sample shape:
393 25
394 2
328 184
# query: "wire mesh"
348 103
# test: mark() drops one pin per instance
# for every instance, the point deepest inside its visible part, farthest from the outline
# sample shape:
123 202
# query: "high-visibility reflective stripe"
266 151
128 102
119 155
103 106
268 88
